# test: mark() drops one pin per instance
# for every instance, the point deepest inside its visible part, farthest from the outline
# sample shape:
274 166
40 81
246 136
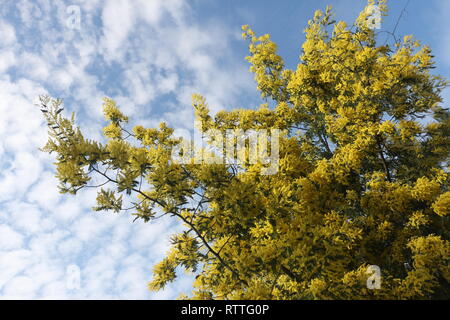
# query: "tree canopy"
362 175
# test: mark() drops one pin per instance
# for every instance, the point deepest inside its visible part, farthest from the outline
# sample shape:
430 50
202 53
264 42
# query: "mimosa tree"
362 175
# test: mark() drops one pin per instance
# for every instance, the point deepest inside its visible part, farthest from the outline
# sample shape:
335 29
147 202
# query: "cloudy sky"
150 56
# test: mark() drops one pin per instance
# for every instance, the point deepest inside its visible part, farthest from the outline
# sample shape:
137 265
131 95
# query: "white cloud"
34 66
140 87
22 173
70 247
45 193
26 217
167 83
7 34
9 239
12 264
118 19
91 226
7 60
21 287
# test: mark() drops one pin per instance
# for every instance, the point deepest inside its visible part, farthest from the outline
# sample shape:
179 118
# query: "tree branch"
383 160
191 225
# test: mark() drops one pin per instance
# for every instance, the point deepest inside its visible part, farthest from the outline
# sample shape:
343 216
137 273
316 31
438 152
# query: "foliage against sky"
149 56
362 178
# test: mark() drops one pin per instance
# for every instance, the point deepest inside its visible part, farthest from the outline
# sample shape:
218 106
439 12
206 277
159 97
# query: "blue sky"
150 56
